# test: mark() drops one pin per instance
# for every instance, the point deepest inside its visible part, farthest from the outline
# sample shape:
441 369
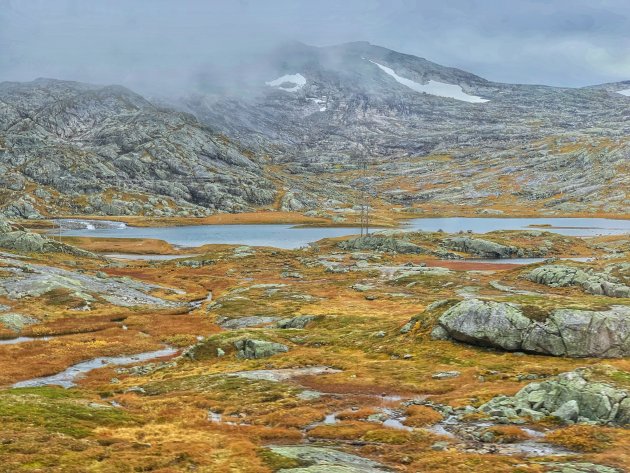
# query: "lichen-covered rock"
5 226
123 137
16 322
325 460
570 397
592 283
381 243
27 242
579 467
580 333
250 348
487 323
244 322
299 322
35 280
481 248
565 332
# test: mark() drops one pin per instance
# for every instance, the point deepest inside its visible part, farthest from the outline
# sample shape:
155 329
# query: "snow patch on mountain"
625 92
282 83
320 102
441 89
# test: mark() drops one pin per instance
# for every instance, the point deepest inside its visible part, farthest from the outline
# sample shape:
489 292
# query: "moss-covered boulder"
570 397
251 348
381 243
565 332
555 275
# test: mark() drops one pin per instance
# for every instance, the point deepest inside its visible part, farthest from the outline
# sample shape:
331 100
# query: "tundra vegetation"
395 352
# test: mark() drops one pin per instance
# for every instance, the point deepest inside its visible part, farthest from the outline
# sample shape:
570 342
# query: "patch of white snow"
441 89
625 92
281 82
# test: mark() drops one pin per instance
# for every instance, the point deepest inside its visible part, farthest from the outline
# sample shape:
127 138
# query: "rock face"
593 283
571 397
250 348
347 95
565 332
69 138
384 244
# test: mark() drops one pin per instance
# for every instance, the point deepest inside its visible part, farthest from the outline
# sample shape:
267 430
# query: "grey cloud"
168 45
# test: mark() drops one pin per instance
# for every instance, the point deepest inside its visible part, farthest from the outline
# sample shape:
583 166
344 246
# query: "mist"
174 47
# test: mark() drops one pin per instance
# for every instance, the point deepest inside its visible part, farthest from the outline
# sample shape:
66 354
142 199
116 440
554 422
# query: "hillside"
436 139
78 148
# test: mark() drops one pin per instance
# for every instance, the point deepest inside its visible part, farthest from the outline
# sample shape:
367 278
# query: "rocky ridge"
561 149
89 149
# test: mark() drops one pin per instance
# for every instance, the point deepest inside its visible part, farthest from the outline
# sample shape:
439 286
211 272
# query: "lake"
289 237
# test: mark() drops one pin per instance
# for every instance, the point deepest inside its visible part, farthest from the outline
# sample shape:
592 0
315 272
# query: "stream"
68 377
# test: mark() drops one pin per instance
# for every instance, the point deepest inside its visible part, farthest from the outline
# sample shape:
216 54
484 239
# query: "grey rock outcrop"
78 139
479 247
384 244
244 322
565 332
298 322
570 397
27 242
579 467
35 280
5 226
16 322
591 282
325 460
251 348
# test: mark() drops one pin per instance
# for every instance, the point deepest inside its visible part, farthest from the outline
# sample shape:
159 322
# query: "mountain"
290 130
78 148
451 137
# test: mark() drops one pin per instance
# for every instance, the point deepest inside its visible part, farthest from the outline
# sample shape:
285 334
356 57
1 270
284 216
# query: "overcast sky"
161 44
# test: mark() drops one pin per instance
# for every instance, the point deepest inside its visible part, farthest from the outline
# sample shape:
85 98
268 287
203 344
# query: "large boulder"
570 397
381 243
565 332
250 348
593 283
28 242
481 248
486 323
297 322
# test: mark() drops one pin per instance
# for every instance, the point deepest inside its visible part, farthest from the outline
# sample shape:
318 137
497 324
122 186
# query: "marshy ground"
350 380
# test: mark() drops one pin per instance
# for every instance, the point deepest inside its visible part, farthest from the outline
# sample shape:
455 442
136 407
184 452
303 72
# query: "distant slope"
288 132
560 149
74 147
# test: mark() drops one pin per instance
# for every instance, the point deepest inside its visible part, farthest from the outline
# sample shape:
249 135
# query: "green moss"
534 312
277 462
57 410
